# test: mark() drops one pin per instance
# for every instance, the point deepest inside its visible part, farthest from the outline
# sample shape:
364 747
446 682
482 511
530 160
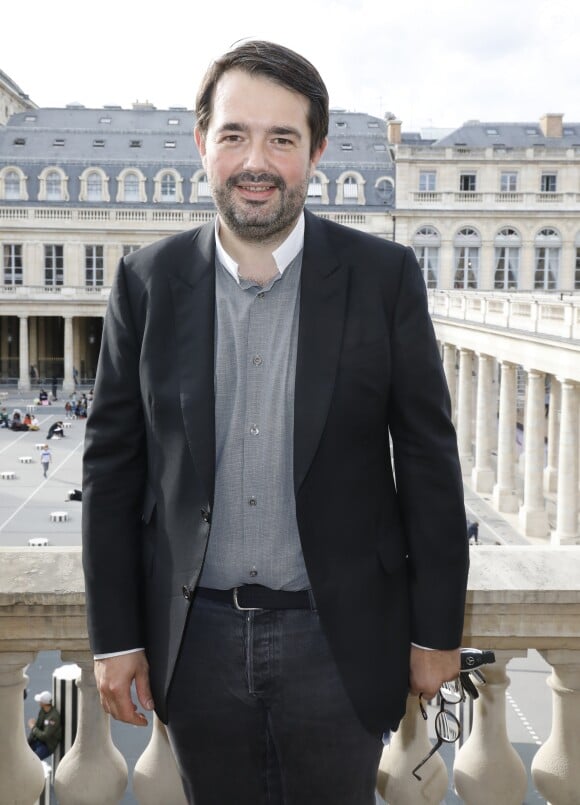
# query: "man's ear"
317 155
199 141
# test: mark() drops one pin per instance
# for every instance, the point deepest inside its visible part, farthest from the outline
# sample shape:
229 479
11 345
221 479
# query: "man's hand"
114 677
429 669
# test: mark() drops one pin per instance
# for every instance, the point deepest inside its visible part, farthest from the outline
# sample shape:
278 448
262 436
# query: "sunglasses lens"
447 727
451 692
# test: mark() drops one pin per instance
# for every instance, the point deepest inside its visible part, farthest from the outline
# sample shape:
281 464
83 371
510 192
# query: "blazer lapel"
323 296
193 289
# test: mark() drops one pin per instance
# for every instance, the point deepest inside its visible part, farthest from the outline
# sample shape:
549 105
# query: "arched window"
350 188
507 259
547 259
94 185
11 186
426 244
203 190
54 186
168 187
131 186
317 189
467 248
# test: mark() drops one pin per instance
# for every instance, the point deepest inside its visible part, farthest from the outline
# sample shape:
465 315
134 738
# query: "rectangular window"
508 182
549 183
94 264
428 259
467 182
427 181
12 254
53 264
507 264
466 267
129 248
547 264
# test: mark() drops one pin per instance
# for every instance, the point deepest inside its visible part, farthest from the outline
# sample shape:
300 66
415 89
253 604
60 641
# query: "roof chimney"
394 131
551 124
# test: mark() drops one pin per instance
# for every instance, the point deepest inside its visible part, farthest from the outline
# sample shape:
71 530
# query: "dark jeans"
259 716
39 748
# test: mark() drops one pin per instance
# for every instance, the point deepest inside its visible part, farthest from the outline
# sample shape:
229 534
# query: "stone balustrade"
519 598
555 315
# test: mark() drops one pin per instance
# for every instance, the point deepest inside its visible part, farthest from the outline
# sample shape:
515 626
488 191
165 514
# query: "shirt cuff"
425 648
116 654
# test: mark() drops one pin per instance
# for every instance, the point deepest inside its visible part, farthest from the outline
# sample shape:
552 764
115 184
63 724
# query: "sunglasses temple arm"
435 748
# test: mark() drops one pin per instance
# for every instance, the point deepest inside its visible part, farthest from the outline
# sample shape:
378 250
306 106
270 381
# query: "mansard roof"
478 134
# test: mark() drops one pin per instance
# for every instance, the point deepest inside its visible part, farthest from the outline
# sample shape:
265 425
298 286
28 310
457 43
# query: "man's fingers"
143 689
114 677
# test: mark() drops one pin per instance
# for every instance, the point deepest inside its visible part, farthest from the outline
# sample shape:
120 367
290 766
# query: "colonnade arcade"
516 409
35 349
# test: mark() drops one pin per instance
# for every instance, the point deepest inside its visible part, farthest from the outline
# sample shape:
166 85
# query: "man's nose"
255 158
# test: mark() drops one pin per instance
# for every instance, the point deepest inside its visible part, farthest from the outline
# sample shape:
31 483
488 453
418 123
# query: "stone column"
21 772
156 778
567 495
556 765
551 470
24 365
93 772
68 385
465 410
533 517
482 475
449 367
409 745
505 497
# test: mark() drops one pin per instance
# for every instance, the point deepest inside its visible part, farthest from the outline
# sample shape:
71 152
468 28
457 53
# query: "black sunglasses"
447 726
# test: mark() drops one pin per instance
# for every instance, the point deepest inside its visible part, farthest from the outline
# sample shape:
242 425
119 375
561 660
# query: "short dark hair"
280 65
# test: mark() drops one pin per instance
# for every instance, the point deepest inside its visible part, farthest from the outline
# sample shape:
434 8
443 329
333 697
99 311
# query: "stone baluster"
482 475
465 410
93 772
533 516
409 745
156 778
21 772
556 765
487 768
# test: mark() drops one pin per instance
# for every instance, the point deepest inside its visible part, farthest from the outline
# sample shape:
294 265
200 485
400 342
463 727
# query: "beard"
259 221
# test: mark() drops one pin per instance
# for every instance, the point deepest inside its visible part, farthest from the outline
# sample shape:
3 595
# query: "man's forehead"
242 91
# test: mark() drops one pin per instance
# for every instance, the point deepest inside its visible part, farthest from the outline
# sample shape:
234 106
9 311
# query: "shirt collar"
283 255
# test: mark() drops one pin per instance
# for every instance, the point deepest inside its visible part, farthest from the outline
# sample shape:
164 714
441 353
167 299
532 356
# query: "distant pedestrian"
46 730
45 458
54 388
473 532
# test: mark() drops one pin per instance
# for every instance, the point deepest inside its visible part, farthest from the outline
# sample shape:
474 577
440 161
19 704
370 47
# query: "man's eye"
282 141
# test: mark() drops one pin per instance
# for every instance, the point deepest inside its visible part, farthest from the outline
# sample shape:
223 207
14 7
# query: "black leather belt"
254 596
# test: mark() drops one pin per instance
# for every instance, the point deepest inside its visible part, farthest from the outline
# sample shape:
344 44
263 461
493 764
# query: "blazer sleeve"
114 474
427 470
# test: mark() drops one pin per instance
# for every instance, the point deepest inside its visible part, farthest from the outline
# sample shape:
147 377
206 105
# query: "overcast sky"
430 63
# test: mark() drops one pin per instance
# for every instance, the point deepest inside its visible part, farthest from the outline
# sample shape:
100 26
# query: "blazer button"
187 592
205 516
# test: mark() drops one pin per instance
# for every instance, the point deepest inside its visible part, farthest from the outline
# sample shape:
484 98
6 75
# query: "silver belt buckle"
238 607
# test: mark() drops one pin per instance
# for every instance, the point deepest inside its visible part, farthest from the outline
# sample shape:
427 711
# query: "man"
250 561
46 730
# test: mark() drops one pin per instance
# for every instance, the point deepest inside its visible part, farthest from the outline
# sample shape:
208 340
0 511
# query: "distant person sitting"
4 420
56 430
46 730
43 397
17 423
